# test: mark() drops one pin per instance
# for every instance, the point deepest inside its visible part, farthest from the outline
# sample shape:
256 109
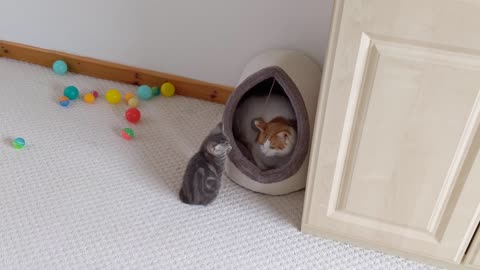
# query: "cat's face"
276 137
218 144
219 149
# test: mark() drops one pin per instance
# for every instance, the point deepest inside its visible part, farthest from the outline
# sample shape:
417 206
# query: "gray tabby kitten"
203 175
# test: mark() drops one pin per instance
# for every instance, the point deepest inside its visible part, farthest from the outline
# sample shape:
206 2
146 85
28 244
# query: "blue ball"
71 92
64 103
144 92
18 143
60 67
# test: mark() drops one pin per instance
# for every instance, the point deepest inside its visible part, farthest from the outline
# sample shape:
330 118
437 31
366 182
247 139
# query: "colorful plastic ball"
156 91
95 94
168 89
18 143
113 96
144 92
127 133
71 92
60 67
89 98
128 96
64 101
133 115
133 102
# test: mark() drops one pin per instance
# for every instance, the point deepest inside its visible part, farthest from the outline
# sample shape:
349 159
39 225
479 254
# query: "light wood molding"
115 72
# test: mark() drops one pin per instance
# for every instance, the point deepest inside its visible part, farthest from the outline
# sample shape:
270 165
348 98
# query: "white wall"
209 40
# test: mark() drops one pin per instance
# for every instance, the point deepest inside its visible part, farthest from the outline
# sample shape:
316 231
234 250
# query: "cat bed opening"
270 101
298 78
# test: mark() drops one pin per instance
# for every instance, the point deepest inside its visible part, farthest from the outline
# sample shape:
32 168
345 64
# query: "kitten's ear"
218 129
260 124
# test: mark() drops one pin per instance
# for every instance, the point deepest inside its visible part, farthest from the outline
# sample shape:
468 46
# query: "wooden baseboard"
115 72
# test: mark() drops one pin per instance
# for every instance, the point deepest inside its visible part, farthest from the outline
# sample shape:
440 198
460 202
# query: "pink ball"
95 94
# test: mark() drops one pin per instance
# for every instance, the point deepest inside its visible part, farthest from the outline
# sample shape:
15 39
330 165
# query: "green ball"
156 91
129 131
127 134
71 92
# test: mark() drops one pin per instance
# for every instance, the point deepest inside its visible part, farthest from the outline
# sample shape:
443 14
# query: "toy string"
268 97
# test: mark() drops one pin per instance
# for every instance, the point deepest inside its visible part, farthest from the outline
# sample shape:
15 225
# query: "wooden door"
472 258
395 160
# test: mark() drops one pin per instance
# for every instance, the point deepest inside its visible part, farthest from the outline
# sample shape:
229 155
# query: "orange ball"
128 96
64 101
63 98
89 98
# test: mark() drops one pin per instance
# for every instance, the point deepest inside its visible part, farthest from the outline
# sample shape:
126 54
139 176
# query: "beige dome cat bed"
297 77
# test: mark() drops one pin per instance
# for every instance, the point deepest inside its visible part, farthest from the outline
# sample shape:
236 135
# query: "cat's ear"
260 124
220 126
292 123
218 129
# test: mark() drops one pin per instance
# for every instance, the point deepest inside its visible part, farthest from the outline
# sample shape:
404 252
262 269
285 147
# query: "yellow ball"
168 89
113 96
128 96
89 98
133 102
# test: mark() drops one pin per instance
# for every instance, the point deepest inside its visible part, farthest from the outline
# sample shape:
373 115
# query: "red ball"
95 94
133 115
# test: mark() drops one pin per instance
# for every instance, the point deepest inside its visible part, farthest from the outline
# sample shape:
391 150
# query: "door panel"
395 158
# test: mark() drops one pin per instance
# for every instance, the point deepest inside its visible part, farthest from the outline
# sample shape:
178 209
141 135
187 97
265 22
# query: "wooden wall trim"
115 72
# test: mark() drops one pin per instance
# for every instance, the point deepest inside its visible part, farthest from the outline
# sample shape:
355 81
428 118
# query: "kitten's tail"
182 196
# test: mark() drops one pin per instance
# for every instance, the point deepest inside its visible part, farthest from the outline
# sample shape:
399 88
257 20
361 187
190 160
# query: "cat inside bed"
265 125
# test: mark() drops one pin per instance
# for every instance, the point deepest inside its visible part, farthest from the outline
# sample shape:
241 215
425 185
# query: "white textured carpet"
80 197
